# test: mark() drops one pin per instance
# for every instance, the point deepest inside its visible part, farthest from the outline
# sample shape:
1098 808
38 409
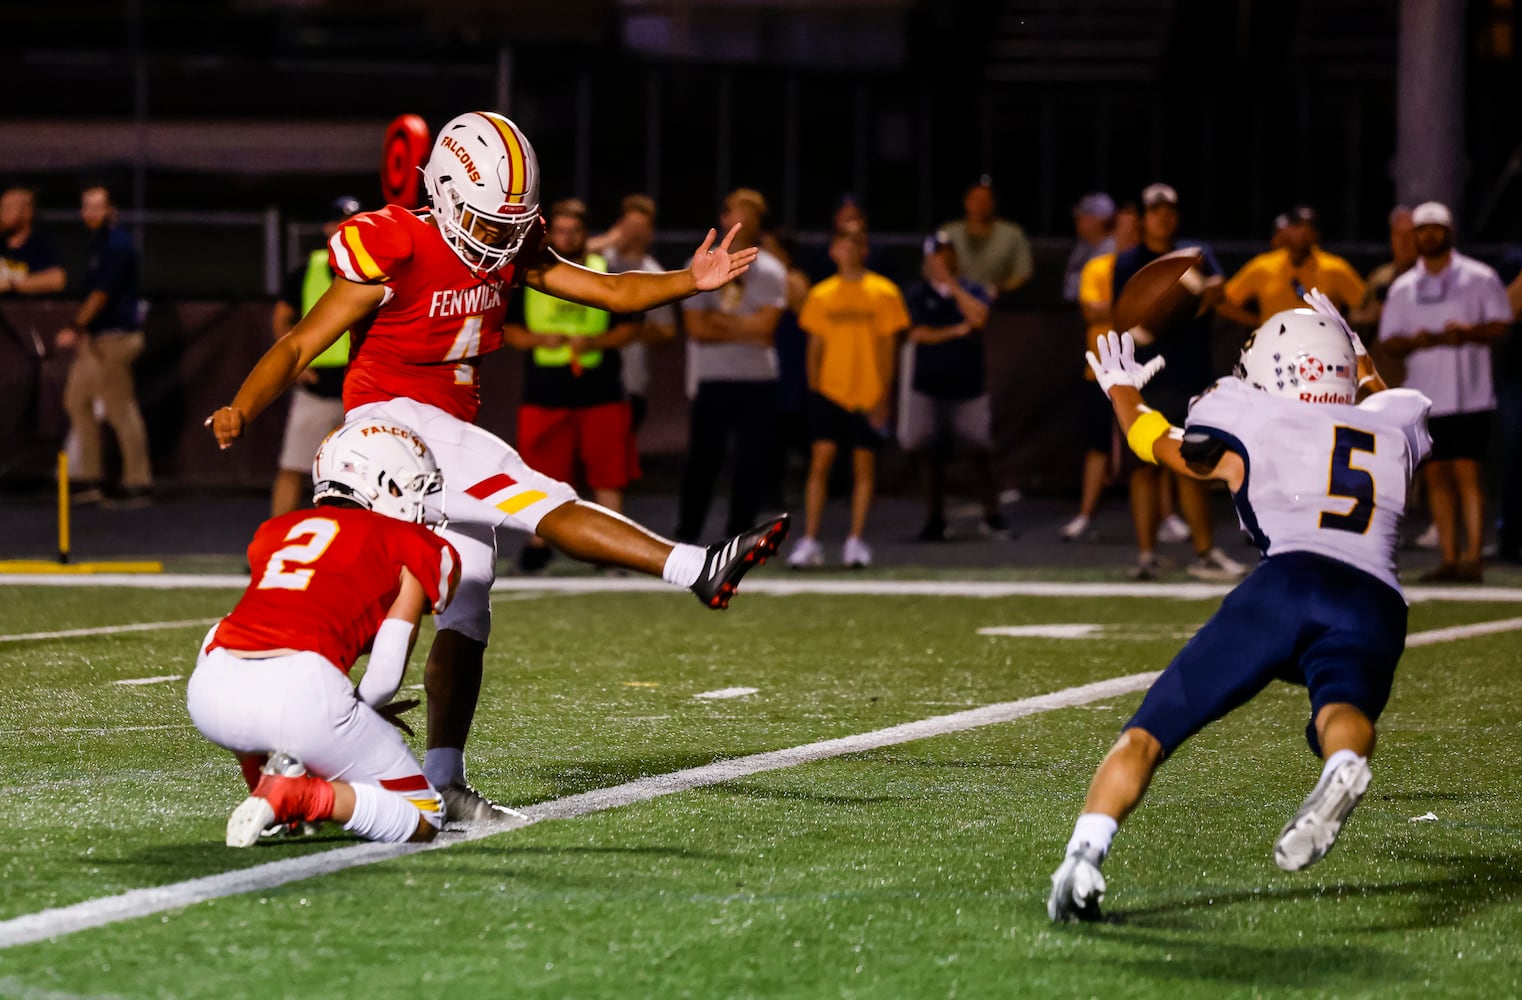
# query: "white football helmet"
482 180
380 465
1301 354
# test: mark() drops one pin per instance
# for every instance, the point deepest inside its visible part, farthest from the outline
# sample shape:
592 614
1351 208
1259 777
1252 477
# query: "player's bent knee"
1138 741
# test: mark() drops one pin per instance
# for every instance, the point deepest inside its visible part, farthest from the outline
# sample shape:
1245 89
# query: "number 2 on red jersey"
318 533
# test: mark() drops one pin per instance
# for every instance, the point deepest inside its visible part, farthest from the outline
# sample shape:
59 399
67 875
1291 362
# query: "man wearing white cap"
1441 317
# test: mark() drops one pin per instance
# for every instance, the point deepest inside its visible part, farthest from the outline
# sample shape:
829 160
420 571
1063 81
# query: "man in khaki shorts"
317 404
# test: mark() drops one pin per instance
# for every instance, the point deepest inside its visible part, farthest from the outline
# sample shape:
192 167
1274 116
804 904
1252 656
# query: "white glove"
1116 363
1317 300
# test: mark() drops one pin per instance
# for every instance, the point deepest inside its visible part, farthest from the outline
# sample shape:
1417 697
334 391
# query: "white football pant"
303 705
486 485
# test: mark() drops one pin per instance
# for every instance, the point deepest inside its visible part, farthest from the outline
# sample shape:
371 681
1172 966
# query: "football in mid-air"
1162 296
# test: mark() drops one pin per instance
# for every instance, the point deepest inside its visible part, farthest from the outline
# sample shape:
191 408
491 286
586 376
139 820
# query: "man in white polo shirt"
1441 316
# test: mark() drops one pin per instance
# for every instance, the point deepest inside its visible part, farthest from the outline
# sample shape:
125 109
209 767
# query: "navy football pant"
1299 617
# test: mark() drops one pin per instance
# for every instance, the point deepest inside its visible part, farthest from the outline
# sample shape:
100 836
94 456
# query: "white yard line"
1433 635
75 633
1077 630
150 680
52 923
726 693
789 586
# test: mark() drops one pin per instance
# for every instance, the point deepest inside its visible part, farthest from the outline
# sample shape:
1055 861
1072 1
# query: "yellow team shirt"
850 317
1096 283
1270 279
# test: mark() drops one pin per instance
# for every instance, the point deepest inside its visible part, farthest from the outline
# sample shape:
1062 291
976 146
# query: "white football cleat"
855 553
246 824
1077 887
1308 837
463 804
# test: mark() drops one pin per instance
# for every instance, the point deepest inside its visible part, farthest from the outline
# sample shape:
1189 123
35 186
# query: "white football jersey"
1326 478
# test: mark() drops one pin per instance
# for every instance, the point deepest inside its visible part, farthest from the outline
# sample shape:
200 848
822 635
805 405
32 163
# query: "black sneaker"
935 529
534 558
729 561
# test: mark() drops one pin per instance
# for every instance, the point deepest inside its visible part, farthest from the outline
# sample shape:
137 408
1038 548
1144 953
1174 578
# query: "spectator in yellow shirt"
1275 281
852 320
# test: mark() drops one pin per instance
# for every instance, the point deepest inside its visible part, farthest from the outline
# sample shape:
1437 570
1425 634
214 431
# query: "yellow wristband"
1145 432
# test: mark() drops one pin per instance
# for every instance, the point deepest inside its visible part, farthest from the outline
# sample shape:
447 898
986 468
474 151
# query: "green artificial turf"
913 870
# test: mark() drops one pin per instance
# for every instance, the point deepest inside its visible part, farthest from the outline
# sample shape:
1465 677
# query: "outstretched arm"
636 291
344 304
1148 432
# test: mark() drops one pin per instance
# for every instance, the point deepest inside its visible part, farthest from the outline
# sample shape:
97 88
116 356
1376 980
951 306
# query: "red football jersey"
324 579
436 319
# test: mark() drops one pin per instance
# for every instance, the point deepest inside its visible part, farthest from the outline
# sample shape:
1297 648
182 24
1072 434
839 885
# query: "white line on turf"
63 920
727 693
106 630
52 923
150 680
779 587
1074 631
1431 636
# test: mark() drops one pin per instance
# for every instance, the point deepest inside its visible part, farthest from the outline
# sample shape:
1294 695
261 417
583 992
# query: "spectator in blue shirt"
28 263
107 336
947 407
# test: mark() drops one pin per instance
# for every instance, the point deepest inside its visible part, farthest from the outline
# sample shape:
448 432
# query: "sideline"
789 586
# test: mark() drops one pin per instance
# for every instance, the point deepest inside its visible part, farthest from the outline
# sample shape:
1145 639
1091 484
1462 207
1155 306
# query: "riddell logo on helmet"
400 432
1325 397
459 151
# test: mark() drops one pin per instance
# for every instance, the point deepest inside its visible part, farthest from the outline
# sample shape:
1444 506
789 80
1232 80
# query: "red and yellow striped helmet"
482 180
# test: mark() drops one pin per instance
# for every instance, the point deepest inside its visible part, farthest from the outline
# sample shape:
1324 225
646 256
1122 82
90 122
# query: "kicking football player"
271 681
425 293
1321 484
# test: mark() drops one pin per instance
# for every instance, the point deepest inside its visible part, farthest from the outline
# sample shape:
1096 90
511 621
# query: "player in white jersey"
1321 484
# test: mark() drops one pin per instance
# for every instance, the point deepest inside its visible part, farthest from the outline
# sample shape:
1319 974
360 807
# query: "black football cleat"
729 561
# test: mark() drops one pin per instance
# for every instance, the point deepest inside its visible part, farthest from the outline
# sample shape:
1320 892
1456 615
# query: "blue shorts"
1299 617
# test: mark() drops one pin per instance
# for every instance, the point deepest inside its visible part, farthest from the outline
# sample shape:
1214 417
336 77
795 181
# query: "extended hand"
1116 364
226 425
392 713
1317 300
715 266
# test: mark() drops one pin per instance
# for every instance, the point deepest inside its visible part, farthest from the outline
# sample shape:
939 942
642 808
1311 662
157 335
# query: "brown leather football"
1162 296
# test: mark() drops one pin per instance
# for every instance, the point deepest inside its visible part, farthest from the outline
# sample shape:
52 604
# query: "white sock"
684 565
1337 760
444 766
1094 829
382 815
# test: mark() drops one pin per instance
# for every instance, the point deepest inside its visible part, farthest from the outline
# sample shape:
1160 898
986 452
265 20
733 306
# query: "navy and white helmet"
380 465
1301 354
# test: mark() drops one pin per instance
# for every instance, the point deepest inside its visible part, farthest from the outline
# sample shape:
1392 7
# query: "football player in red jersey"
271 682
424 294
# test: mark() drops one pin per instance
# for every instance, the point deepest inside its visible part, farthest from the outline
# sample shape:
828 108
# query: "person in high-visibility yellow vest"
575 412
317 405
